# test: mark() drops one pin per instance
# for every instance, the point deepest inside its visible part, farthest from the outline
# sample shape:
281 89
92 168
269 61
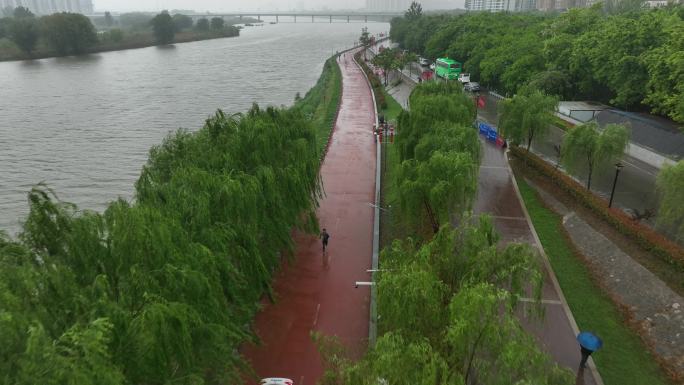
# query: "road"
316 292
636 183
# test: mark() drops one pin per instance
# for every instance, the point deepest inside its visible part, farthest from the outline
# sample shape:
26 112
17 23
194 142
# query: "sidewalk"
316 293
498 197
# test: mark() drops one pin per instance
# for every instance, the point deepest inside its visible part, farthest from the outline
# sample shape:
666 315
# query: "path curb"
373 324
552 274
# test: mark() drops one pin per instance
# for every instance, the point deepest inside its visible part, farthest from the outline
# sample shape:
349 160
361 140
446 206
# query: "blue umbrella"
589 341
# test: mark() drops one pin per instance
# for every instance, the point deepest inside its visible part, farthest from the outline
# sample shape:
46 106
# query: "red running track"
317 293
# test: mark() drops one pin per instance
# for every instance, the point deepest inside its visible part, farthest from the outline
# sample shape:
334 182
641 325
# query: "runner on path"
324 239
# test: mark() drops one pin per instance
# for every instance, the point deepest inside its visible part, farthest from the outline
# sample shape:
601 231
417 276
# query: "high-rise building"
500 5
46 7
387 5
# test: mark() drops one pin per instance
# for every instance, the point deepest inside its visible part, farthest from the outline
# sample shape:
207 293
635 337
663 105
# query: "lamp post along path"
618 167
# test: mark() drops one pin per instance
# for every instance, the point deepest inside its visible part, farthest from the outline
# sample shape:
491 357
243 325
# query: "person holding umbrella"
589 343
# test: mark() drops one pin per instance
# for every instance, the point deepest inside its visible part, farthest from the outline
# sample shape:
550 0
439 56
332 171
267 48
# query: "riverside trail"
316 292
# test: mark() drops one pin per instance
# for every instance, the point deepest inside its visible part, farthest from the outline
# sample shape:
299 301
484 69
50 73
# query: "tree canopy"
414 11
22 12
158 291
24 32
388 60
202 24
527 116
670 183
181 22
69 33
445 319
439 153
628 58
588 146
164 28
217 23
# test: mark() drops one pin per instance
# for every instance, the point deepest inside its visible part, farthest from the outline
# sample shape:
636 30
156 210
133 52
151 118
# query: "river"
84 125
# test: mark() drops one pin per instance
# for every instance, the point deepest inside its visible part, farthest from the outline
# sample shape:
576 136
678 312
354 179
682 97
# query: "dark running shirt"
324 237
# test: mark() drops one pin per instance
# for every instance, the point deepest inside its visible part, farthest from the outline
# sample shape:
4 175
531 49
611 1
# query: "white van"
464 78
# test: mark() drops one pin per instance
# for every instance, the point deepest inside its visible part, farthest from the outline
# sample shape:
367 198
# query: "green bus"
448 68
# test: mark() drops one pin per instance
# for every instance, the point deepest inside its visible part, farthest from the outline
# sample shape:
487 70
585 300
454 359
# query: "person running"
324 239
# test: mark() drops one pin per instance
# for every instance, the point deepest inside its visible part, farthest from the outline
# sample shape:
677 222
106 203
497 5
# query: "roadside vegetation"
670 184
26 36
446 295
160 290
613 52
624 359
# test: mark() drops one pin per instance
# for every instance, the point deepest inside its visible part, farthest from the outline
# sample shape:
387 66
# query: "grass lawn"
624 359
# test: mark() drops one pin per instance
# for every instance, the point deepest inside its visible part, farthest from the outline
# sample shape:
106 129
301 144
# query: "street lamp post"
618 167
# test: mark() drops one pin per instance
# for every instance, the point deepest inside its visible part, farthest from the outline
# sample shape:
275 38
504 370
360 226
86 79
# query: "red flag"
480 101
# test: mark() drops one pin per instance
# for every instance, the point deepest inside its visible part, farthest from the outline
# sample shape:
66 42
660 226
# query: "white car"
472 86
424 62
432 66
276 381
464 77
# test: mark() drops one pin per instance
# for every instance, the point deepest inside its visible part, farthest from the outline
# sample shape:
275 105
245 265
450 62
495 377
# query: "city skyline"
46 7
222 6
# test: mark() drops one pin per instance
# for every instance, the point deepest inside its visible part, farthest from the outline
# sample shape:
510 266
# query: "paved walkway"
498 197
316 292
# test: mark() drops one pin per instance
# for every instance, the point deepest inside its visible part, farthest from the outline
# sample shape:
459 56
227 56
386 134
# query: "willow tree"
432 106
389 60
670 182
158 291
527 116
365 40
438 188
586 146
449 137
448 314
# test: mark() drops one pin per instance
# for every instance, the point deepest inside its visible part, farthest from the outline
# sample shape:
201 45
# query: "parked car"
276 381
472 86
432 66
464 77
424 62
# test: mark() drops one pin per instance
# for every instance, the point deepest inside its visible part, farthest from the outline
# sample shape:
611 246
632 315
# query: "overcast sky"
222 5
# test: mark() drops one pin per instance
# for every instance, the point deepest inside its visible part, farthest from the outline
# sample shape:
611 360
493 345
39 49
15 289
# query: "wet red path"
317 293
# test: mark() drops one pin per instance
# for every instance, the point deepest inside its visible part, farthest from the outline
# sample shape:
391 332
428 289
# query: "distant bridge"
329 15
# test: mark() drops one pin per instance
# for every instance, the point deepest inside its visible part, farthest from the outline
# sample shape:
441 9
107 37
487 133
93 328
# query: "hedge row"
374 81
644 236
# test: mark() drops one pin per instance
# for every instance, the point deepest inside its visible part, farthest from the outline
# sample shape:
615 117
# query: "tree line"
72 33
630 58
447 297
160 290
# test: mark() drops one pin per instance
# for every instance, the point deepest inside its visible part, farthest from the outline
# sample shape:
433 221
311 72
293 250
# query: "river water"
84 125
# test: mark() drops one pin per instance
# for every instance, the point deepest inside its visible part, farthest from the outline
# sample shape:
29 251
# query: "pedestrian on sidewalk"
589 343
324 239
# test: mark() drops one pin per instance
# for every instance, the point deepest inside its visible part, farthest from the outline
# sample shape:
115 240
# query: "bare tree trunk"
529 140
431 217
